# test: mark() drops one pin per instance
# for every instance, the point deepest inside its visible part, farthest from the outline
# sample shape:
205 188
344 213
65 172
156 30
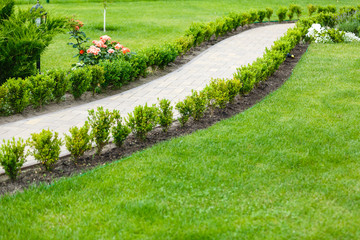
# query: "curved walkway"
218 61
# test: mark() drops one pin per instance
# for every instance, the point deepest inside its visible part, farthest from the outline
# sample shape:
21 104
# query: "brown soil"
87 97
65 167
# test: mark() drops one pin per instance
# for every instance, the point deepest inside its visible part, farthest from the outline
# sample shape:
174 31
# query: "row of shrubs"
102 124
18 93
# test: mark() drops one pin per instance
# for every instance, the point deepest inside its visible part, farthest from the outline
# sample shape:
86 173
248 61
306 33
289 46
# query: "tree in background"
21 41
105 3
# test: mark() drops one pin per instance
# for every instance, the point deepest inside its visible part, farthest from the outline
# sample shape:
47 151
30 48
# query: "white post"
104 19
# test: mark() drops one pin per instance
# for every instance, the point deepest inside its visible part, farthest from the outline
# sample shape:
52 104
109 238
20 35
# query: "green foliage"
41 89
351 24
233 87
311 9
347 10
161 55
165 114
142 120
326 19
46 147
216 93
281 13
245 19
336 35
80 80
13 156
119 131
269 13
294 9
117 73
22 42
97 77
184 43
222 26
138 65
3 93
253 15
101 122
261 15
6 9
61 83
17 97
185 108
78 142
198 101
327 9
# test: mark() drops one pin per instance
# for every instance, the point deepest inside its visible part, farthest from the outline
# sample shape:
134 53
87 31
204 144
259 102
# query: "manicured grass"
288 168
139 24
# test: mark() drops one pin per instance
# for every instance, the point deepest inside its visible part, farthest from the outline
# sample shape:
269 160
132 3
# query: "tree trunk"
104 19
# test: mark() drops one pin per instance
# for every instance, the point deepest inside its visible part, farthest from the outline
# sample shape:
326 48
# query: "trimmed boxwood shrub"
80 80
17 97
41 89
117 72
62 83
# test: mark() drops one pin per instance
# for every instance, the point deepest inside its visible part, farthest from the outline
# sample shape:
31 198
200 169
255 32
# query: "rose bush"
100 50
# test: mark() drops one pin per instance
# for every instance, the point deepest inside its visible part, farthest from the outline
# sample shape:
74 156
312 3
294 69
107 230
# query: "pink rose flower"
111 51
105 38
118 46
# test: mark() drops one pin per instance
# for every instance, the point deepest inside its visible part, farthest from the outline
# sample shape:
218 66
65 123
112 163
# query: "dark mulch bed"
65 167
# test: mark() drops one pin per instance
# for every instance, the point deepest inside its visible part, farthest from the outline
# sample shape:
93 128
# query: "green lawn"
288 168
139 24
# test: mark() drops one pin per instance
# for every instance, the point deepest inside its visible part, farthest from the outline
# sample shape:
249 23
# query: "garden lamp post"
41 18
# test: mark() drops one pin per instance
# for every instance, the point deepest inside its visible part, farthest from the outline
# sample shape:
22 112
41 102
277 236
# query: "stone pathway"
218 61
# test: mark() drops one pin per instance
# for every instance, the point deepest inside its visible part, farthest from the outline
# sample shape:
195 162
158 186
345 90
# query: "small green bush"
80 80
138 66
347 10
236 18
18 93
326 19
261 15
269 13
184 43
331 9
185 109
101 122
119 131
233 88
41 89
217 93
62 83
165 114
247 77
281 13
13 156
46 147
117 72
244 19
97 78
253 15
163 54
198 101
142 120
78 142
296 9
311 9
